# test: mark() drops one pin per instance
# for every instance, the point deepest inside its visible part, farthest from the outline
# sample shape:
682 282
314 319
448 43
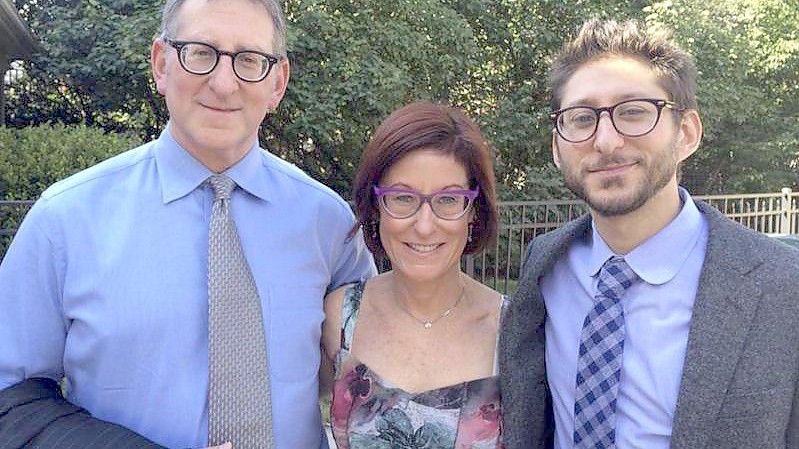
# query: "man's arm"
33 330
33 413
355 263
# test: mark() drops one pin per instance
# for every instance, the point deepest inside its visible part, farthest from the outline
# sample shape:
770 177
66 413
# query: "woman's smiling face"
423 246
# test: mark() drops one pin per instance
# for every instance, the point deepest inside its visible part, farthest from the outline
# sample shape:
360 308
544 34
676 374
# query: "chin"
620 203
427 273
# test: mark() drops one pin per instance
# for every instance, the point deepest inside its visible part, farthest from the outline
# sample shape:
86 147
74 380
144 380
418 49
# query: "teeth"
423 248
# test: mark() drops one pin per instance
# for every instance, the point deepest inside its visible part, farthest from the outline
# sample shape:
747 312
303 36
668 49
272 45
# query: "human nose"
223 79
607 138
424 218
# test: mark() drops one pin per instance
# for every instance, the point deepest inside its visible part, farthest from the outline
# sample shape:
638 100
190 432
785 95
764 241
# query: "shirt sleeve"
32 326
354 263
33 332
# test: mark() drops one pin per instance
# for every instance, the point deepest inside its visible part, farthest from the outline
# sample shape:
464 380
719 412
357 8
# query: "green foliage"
35 157
354 61
747 53
91 66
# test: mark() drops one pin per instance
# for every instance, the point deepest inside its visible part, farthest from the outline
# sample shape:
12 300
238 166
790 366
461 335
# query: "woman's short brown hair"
435 127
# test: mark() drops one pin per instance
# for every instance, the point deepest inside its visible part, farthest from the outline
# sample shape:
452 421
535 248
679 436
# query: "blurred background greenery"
354 61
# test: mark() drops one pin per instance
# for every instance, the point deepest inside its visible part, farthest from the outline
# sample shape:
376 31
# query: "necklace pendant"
428 324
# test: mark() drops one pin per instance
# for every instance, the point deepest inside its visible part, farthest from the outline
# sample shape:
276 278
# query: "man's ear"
555 150
279 80
158 54
689 134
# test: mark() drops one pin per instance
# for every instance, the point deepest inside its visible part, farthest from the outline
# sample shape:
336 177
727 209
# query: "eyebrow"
617 99
238 48
400 185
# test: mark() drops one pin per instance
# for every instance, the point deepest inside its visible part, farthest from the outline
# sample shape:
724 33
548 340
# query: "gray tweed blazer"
739 381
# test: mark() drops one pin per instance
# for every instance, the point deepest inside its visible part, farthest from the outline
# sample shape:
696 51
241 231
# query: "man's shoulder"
295 179
109 171
735 241
562 235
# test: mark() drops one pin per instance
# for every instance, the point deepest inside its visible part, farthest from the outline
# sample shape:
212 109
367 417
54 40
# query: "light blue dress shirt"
106 283
657 315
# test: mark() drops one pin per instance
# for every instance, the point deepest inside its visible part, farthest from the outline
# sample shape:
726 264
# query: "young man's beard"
662 170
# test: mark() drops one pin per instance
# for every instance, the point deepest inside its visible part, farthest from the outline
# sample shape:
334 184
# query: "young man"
661 323
177 288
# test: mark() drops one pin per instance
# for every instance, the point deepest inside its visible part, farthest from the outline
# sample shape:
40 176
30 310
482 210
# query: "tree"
91 65
747 53
355 61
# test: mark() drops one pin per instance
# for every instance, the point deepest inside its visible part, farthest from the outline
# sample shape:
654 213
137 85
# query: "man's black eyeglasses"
200 58
632 118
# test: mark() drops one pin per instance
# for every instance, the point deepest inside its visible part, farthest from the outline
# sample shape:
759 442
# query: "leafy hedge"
33 158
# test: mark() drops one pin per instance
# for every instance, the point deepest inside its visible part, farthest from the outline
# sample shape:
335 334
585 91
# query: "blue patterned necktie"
599 364
239 402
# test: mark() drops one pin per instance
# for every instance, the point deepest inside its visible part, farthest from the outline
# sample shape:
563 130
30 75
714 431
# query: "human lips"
423 248
219 108
613 168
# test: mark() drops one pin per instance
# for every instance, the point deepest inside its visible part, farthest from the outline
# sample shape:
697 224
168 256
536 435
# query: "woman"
414 348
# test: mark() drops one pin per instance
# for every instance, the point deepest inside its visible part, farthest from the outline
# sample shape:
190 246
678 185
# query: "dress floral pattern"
367 412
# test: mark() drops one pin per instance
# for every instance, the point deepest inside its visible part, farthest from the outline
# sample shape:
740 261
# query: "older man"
177 289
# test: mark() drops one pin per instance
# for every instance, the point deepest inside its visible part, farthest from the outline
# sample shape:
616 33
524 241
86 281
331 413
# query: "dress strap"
349 312
503 306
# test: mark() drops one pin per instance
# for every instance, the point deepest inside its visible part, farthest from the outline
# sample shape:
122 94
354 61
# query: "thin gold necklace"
427 324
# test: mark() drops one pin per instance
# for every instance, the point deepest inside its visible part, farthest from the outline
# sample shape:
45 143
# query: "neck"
217 157
218 163
427 299
623 233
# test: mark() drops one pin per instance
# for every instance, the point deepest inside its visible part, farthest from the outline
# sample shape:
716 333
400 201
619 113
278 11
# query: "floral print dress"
367 412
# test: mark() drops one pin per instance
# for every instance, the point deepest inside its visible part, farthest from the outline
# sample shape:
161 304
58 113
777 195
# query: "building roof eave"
18 41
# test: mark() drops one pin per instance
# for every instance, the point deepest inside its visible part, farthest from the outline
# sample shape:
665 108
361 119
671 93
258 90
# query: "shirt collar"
658 259
180 173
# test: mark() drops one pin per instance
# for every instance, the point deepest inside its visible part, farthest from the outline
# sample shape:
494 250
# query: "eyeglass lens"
631 118
200 58
445 205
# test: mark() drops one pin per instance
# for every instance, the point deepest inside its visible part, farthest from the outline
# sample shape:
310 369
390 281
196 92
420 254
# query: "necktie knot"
223 186
615 277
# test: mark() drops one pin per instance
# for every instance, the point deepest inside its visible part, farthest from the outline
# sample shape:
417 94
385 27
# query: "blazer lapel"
525 394
546 252
725 304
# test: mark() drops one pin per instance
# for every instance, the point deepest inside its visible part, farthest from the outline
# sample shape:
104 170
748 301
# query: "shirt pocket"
295 316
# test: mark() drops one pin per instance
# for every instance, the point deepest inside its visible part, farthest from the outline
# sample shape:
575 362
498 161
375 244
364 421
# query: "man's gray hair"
169 21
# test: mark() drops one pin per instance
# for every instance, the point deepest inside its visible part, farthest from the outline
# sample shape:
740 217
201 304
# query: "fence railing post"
785 211
468 260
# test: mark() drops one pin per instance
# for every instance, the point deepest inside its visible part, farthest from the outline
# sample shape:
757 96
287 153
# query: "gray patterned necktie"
599 365
239 402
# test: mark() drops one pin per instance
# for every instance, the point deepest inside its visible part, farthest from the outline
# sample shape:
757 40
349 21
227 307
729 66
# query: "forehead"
235 23
426 168
611 79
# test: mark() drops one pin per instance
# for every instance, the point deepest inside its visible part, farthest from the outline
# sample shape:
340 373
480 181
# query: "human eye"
199 51
448 199
634 110
249 59
580 118
401 197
